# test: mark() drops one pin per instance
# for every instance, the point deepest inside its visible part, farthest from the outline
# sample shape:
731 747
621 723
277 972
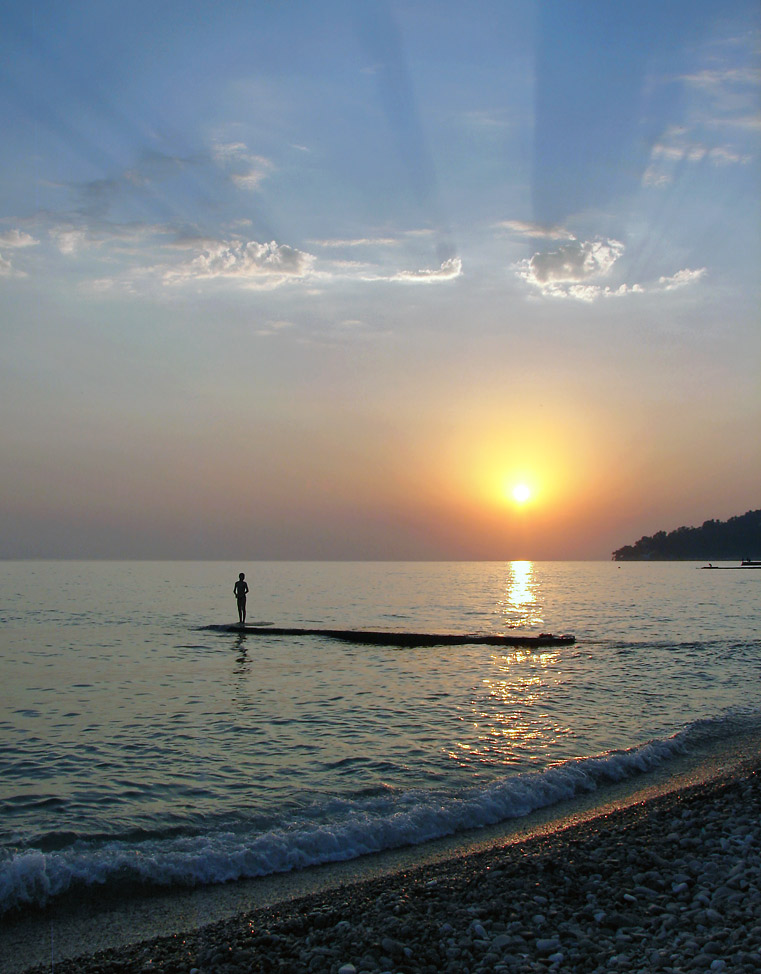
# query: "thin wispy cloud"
250 180
675 148
720 79
17 239
722 112
14 240
724 90
340 242
493 121
69 241
751 123
448 271
244 168
275 327
399 237
523 228
7 269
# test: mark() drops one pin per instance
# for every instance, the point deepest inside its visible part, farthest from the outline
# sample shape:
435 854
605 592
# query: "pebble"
615 896
547 945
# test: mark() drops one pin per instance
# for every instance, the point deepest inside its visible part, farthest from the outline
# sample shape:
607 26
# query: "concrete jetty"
383 638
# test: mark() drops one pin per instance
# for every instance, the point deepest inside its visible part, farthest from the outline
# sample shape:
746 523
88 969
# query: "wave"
348 829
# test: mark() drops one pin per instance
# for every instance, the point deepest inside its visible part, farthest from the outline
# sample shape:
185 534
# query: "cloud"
69 241
224 152
675 148
99 285
572 263
681 279
273 328
246 170
262 266
17 238
487 120
248 180
723 96
339 242
526 229
718 79
574 270
750 122
124 239
449 270
655 177
7 269
14 240
357 242
724 156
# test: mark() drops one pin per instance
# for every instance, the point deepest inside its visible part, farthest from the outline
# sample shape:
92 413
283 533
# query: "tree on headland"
737 538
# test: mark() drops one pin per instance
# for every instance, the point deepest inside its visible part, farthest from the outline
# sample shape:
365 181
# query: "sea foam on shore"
672 884
390 819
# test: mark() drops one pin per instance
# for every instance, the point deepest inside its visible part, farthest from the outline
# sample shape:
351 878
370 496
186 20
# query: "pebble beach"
671 884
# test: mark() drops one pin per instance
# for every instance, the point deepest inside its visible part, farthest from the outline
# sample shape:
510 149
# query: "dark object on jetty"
380 638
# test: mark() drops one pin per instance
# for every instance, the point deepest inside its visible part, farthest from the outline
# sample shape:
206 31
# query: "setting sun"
521 493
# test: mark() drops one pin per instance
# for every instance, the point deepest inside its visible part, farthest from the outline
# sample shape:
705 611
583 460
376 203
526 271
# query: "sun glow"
521 493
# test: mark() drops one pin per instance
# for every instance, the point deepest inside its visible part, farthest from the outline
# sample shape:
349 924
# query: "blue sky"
290 279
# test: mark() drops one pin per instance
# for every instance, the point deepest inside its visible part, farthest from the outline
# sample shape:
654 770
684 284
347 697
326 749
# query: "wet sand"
332 904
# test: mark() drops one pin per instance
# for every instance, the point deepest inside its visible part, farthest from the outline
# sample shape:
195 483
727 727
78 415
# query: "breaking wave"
344 829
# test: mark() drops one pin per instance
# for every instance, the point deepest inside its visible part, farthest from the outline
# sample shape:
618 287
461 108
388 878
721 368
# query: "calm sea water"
138 746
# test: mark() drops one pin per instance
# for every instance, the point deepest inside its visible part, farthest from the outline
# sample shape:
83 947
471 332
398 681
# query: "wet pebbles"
672 885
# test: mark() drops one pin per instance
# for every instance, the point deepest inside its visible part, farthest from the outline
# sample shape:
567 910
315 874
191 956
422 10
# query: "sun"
521 493
519 490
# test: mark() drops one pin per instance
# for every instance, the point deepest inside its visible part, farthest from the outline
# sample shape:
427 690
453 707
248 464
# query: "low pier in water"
382 638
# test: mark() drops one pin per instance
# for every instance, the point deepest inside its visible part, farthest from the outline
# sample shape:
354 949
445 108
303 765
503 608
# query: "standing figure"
241 590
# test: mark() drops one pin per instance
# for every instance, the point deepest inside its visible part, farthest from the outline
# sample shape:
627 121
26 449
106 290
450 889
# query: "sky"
328 279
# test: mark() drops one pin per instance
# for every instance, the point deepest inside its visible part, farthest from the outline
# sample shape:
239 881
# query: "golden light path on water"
510 711
519 606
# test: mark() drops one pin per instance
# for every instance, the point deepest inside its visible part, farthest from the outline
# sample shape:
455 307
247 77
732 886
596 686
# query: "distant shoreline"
731 540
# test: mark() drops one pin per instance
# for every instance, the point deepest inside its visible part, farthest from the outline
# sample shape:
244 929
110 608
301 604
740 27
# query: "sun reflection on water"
514 717
520 605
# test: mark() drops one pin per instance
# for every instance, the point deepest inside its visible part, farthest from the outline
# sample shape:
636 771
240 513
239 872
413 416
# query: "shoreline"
327 908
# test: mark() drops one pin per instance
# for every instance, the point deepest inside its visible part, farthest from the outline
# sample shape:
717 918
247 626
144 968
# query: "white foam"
341 828
353 828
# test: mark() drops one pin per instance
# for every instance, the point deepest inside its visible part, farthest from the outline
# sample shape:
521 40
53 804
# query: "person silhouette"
241 590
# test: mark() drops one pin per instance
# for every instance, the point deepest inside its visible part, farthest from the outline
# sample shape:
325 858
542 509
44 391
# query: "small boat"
745 563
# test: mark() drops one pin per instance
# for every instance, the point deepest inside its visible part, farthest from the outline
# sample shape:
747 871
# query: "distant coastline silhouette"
738 537
241 591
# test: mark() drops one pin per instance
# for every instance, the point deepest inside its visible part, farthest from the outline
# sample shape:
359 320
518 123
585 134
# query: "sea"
140 750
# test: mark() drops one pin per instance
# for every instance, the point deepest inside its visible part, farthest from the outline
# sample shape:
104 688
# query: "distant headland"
737 538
